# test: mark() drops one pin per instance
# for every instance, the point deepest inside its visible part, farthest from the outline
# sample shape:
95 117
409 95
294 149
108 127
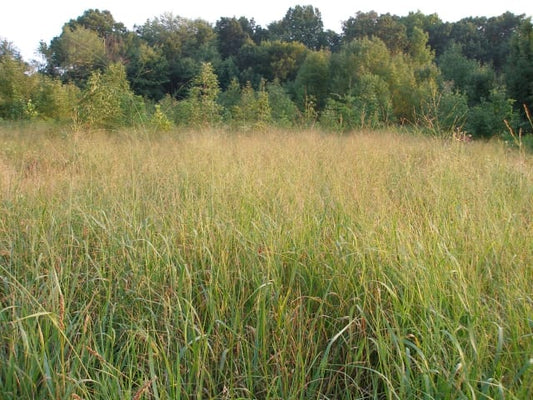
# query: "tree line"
474 75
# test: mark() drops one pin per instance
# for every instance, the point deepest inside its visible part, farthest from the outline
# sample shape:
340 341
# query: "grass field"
265 266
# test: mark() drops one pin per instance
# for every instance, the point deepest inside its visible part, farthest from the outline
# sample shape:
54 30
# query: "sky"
26 23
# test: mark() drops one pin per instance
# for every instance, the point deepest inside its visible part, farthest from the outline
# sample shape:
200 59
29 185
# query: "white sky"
27 22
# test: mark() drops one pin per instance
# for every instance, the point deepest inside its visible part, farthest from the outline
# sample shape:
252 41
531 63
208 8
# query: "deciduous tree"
301 24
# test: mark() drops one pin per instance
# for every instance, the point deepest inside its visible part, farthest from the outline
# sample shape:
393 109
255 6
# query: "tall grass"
268 266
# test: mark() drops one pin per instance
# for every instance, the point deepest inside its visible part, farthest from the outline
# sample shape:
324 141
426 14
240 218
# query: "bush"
340 115
159 120
284 112
444 113
253 110
108 102
55 100
201 108
369 106
488 118
16 88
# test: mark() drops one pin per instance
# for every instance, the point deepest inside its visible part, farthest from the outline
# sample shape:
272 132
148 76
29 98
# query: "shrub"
108 102
488 118
253 110
283 110
445 112
159 120
202 108
55 100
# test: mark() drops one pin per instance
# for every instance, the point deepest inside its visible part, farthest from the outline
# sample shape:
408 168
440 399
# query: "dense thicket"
468 76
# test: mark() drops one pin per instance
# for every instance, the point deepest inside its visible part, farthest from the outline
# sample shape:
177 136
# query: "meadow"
272 265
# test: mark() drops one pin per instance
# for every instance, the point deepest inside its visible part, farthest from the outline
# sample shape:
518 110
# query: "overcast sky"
25 23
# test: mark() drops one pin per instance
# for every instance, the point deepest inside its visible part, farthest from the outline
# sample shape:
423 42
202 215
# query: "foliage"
313 78
369 106
519 73
340 115
404 81
445 112
284 111
108 102
227 71
488 117
159 121
8 50
185 44
272 60
16 85
55 100
147 70
91 42
253 110
384 68
467 75
230 98
385 27
201 106
25 94
414 78
231 36
355 59
168 105
301 24
100 21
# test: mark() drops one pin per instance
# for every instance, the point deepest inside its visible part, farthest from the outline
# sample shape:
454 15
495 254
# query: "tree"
16 84
227 71
361 26
392 32
55 100
488 118
203 106
284 59
107 101
75 54
355 59
229 99
103 23
313 78
405 79
519 69
385 27
283 111
437 30
370 106
147 70
185 44
470 33
331 40
254 63
499 33
468 76
90 42
445 112
271 60
301 24
25 94
253 109
231 36
8 50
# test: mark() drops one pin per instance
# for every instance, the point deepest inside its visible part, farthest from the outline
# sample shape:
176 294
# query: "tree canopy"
382 68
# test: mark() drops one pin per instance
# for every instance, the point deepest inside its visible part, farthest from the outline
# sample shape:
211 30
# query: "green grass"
267 266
